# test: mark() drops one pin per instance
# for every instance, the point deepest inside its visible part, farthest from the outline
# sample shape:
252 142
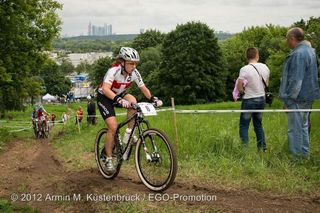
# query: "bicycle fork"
154 156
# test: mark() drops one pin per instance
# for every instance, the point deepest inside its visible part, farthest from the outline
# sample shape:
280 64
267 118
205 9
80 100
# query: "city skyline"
94 30
221 15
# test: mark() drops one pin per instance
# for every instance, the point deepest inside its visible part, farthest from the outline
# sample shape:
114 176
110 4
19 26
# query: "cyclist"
42 116
112 91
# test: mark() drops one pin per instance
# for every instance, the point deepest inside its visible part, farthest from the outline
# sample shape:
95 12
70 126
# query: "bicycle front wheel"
100 155
155 160
45 132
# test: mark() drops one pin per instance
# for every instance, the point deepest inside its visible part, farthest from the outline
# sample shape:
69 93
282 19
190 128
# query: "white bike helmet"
129 54
89 97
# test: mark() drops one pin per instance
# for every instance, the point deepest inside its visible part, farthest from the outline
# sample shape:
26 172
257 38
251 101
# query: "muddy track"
33 167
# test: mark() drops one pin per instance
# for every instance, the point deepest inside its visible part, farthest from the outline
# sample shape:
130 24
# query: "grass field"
209 148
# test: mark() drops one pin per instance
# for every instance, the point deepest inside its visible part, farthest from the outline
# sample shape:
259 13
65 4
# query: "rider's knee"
112 128
134 100
131 98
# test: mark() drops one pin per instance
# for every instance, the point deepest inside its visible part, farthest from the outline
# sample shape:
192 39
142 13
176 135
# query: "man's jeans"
298 135
245 118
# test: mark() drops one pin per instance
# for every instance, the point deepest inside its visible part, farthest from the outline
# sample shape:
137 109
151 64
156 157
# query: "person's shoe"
109 166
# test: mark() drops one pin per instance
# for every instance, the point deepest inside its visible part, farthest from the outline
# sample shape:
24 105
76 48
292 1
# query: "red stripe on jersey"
115 65
128 84
117 84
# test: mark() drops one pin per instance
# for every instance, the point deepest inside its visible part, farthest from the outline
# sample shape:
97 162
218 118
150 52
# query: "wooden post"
175 125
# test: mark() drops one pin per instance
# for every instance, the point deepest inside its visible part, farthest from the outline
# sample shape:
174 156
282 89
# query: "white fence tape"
13 127
239 111
19 130
57 122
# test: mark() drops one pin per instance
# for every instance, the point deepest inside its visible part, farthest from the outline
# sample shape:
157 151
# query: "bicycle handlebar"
137 107
134 106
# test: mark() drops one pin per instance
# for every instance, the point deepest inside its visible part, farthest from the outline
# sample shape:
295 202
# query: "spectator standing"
298 89
254 97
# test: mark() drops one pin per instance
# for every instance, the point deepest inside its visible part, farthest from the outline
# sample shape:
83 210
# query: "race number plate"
147 109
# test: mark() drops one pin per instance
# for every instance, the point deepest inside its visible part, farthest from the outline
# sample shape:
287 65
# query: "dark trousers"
245 118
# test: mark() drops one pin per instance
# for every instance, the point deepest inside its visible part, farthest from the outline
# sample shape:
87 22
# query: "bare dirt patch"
33 167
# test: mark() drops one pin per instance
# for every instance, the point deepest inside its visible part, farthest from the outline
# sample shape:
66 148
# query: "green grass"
209 149
7 207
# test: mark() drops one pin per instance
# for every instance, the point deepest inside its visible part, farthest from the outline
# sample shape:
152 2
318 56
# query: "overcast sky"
129 16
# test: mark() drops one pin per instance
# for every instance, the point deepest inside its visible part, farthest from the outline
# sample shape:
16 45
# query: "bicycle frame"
146 156
138 119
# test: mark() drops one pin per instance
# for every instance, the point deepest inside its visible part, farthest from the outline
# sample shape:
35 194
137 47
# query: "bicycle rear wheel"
157 164
100 155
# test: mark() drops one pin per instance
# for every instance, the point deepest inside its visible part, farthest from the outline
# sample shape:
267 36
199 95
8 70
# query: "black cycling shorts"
106 105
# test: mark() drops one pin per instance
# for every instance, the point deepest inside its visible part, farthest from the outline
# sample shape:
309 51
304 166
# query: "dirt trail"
33 167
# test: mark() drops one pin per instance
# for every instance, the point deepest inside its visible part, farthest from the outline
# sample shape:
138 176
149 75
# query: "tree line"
191 65
188 63
82 44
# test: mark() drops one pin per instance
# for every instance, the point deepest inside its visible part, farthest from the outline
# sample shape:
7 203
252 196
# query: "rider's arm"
146 92
106 89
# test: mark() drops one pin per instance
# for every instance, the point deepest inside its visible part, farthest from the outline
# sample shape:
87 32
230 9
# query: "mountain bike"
41 129
155 158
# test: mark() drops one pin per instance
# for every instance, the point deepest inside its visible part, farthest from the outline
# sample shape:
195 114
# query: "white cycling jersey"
119 83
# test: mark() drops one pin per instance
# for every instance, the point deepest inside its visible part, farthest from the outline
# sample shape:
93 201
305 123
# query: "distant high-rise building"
141 31
109 29
89 29
94 30
104 30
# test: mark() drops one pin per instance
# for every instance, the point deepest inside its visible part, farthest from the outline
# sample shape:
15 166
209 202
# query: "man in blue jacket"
299 88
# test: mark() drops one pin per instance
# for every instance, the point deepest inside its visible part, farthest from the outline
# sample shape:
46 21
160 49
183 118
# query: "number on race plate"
147 109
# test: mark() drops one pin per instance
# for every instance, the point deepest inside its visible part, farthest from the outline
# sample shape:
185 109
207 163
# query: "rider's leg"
131 111
112 128
39 125
47 125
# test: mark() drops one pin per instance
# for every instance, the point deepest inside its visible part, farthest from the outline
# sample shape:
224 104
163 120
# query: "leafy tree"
302 24
27 28
34 87
149 68
66 66
193 69
99 69
234 53
275 63
83 67
313 33
267 39
55 81
278 49
151 38
80 46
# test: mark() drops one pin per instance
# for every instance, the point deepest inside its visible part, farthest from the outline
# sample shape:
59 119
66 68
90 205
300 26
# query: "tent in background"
48 97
